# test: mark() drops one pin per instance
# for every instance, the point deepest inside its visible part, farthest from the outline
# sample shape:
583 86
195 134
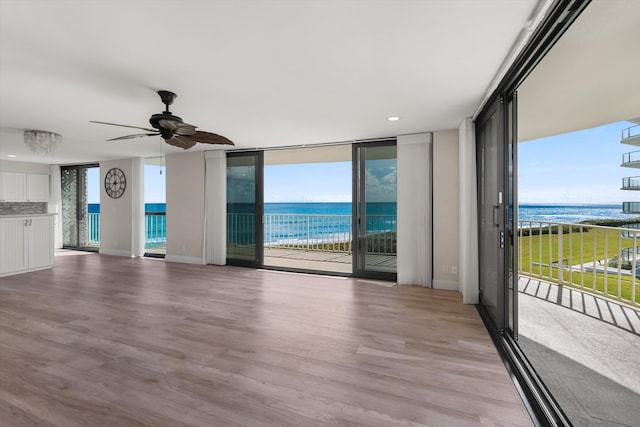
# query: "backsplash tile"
22 208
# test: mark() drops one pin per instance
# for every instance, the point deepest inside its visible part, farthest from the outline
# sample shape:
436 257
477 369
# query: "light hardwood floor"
111 341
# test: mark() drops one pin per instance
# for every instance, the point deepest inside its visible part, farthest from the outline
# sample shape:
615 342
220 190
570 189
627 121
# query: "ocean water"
570 213
382 218
526 212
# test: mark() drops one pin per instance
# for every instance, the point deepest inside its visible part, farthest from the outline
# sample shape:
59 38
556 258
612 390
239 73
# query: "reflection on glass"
377 211
489 215
241 208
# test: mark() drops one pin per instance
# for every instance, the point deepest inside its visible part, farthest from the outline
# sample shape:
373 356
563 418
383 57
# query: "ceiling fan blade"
177 127
210 138
138 135
124 126
181 141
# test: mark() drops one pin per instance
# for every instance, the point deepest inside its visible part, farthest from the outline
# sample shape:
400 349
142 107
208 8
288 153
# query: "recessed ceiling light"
13 156
393 118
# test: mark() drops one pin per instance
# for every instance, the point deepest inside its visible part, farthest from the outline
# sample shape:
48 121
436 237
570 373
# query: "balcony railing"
626 233
631 157
93 229
155 229
328 233
631 132
631 183
602 260
630 207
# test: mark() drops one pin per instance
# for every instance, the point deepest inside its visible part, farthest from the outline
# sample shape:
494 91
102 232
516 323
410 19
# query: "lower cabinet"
26 244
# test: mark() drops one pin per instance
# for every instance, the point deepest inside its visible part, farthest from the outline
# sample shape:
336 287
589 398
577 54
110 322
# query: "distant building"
631 136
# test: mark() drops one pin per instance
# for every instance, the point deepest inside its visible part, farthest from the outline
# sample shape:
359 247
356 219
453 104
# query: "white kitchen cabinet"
26 243
13 187
37 187
24 187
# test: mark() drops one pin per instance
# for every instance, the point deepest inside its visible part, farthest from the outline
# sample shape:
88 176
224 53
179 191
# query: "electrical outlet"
454 269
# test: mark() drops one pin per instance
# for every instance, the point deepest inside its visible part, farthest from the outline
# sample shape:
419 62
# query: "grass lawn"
539 255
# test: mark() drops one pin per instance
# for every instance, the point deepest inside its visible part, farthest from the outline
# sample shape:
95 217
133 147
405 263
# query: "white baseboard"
184 259
115 252
446 284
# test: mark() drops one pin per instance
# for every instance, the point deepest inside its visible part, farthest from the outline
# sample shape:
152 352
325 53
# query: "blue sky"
577 167
308 182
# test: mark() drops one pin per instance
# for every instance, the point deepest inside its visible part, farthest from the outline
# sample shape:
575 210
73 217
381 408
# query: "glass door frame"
503 329
79 206
258 260
358 206
492 220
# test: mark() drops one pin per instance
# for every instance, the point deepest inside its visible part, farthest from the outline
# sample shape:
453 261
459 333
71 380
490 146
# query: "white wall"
122 219
185 207
445 209
13 166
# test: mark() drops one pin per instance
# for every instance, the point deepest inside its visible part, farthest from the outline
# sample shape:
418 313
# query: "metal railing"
93 228
311 232
631 183
631 132
594 258
631 157
329 233
155 229
631 207
626 233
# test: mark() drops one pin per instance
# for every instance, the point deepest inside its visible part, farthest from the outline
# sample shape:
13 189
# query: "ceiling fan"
171 128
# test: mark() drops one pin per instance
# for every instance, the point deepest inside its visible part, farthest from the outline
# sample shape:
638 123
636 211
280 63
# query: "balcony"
631 183
631 207
579 317
631 136
631 160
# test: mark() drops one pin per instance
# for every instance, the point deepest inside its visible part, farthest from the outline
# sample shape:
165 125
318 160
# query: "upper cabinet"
14 187
37 187
24 187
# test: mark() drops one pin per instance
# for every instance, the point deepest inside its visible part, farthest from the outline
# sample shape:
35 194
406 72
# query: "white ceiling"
264 74
590 78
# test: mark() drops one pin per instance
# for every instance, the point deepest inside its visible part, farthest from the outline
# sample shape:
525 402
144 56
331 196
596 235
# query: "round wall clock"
115 183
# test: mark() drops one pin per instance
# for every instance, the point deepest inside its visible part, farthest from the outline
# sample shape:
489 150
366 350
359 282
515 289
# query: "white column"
55 204
216 207
468 259
414 210
137 207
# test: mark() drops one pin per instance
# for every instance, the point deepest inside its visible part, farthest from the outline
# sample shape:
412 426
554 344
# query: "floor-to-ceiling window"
375 172
245 208
330 209
80 192
541 262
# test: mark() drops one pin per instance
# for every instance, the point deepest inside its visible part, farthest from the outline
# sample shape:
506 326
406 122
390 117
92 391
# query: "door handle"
496 216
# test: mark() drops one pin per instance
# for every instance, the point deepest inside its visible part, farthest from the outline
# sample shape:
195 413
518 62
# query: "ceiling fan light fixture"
393 118
42 142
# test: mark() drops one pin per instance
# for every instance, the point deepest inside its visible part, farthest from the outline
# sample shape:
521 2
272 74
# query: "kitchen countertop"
26 215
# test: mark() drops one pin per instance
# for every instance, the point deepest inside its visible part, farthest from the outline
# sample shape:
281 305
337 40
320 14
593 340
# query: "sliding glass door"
492 216
375 209
80 194
245 206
